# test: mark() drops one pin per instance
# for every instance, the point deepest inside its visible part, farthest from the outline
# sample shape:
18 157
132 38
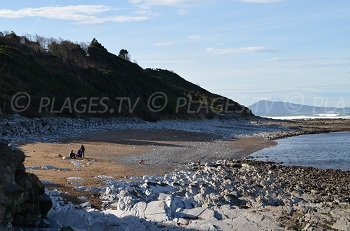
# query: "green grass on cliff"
67 71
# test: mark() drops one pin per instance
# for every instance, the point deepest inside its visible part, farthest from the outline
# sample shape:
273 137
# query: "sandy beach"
117 154
191 169
172 115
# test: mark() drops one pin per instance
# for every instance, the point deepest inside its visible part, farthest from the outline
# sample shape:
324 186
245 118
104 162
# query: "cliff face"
23 201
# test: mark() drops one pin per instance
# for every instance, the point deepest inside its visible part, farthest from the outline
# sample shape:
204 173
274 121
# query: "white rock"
125 203
139 209
190 213
343 223
49 167
156 211
206 227
229 212
164 197
209 215
181 221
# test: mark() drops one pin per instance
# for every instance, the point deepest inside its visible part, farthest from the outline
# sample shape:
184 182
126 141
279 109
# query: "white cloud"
163 44
127 19
195 37
83 14
240 50
180 5
260 1
173 3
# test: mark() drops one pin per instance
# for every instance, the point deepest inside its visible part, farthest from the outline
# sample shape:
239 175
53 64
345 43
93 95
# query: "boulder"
139 209
23 200
156 211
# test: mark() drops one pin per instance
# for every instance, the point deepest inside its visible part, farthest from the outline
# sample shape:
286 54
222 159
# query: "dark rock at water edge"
23 201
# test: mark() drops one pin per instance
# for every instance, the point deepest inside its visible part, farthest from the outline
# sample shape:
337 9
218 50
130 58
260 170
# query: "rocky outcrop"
23 201
232 194
225 195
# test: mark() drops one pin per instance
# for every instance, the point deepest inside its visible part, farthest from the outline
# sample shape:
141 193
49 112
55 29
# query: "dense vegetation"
60 68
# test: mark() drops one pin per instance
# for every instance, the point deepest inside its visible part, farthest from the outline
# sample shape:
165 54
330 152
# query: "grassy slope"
41 74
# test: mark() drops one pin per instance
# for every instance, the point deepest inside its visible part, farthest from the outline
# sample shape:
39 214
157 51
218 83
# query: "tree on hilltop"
124 54
96 44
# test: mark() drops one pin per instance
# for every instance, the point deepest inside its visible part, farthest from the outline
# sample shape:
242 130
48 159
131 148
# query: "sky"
248 50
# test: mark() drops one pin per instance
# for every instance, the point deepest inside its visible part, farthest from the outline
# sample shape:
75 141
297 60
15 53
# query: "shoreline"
321 151
306 127
129 146
113 155
116 155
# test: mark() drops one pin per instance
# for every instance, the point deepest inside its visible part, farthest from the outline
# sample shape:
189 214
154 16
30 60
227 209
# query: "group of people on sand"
79 154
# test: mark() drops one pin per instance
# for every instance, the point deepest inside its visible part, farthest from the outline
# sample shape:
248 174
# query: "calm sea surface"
320 151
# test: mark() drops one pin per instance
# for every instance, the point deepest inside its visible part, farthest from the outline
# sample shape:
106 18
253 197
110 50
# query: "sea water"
326 151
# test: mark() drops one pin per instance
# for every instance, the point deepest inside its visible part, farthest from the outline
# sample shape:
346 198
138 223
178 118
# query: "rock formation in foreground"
23 201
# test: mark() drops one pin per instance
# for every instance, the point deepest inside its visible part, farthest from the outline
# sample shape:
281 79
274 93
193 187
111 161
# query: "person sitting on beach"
142 162
72 155
80 153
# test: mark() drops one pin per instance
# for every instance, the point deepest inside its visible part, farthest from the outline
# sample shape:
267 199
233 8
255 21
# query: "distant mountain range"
278 108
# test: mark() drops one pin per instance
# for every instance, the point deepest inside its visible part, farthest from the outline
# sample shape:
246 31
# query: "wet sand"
117 154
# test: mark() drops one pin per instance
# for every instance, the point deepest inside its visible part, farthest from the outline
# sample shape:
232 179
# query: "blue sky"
247 50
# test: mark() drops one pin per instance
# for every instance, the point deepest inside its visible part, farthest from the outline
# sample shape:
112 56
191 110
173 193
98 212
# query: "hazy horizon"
247 50
287 102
